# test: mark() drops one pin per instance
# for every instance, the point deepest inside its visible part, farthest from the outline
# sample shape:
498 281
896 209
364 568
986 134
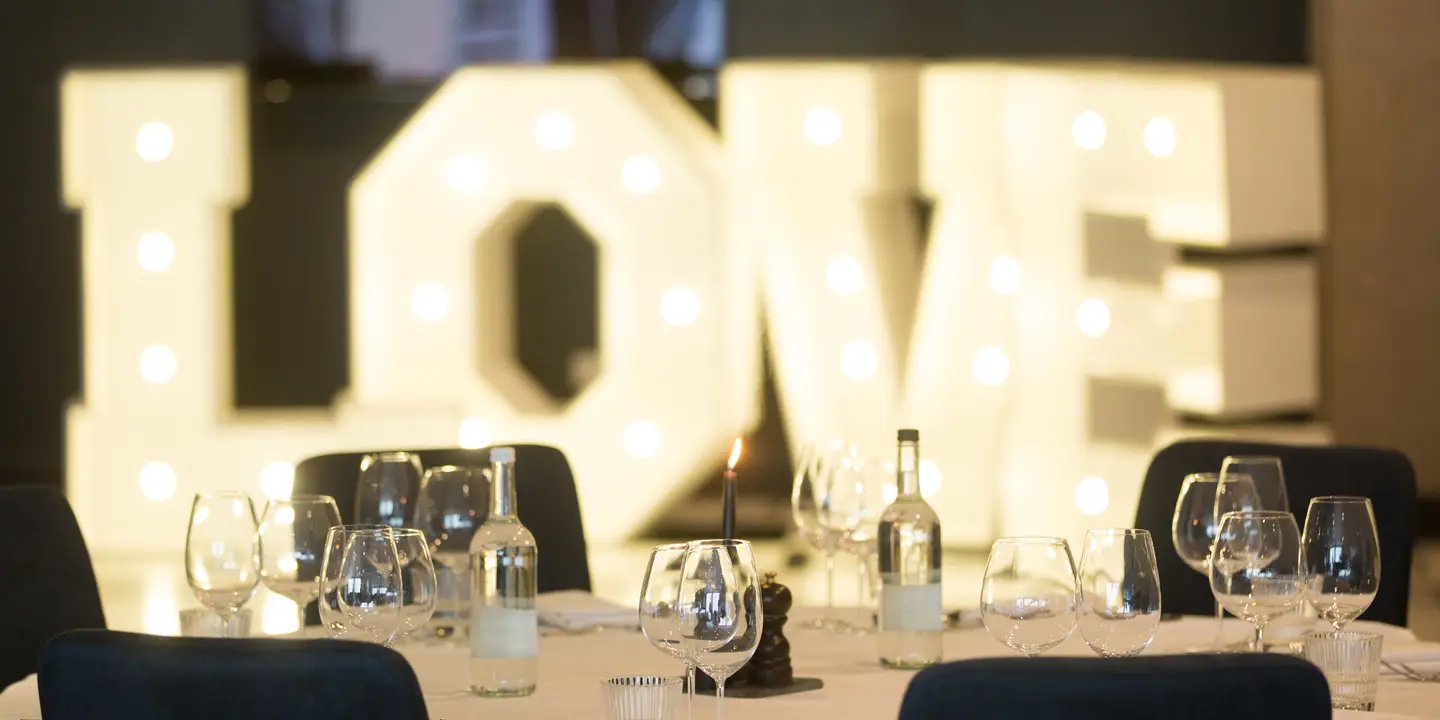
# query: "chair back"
102 675
47 584
1385 476
1160 687
544 489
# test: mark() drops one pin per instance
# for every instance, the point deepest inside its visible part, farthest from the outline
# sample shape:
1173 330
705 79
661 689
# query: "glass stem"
300 613
829 585
690 683
720 698
1257 644
862 592
1219 625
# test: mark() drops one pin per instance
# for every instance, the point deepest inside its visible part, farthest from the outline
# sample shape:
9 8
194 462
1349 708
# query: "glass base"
503 692
890 664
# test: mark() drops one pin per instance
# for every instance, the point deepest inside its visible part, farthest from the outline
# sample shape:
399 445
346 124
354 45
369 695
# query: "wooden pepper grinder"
770 667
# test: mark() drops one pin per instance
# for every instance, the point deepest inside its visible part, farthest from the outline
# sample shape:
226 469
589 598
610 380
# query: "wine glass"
417 575
1255 570
360 587
222 551
720 617
386 491
292 547
1193 531
856 500
660 607
808 498
1119 592
1251 482
453 503
1029 595
1341 551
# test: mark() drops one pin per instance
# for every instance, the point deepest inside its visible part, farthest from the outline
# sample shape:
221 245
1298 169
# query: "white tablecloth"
571 667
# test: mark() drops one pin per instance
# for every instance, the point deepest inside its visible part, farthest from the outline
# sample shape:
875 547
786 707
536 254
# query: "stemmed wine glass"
809 497
222 552
1251 482
1255 570
1341 557
292 547
719 603
361 591
1119 592
454 501
385 493
417 578
856 500
1193 531
1029 595
660 608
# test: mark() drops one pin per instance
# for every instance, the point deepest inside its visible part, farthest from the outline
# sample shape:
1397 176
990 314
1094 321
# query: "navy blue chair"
544 490
47 584
1385 476
101 675
1162 687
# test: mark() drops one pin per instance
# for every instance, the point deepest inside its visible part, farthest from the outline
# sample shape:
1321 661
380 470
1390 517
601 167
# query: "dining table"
574 662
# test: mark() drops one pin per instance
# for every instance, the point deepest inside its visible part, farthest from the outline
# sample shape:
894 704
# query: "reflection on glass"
1029 595
1119 592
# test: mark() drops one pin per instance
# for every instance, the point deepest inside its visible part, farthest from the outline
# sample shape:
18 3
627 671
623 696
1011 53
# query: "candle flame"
734 454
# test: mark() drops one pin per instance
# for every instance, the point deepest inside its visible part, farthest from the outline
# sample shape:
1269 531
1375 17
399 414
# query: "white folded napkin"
579 610
1422 658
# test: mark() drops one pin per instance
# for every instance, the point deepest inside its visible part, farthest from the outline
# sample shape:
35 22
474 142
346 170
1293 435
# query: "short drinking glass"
1029 596
1119 592
1351 663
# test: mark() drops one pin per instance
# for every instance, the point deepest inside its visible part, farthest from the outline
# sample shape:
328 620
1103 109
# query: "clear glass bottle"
911 635
504 633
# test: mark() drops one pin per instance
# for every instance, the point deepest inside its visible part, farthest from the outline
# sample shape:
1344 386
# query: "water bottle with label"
911 635
504 633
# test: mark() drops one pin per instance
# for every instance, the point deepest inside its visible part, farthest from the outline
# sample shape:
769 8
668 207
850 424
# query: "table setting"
711 632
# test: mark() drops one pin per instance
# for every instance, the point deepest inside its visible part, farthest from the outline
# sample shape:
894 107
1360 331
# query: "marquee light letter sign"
1043 337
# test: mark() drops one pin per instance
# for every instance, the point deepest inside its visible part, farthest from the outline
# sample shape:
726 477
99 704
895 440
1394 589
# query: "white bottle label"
503 633
910 607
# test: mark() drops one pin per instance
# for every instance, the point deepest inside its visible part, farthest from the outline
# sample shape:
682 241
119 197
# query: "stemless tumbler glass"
385 493
292 547
1341 551
222 551
417 575
454 501
1029 596
809 497
361 587
720 617
660 608
1119 592
1255 571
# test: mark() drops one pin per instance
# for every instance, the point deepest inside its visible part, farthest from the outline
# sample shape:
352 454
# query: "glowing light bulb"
844 275
475 433
640 174
158 364
154 141
1160 137
1092 495
930 478
277 480
285 516
858 361
679 306
465 173
553 131
155 251
429 302
157 481
990 366
1088 130
823 126
1005 276
1093 317
642 439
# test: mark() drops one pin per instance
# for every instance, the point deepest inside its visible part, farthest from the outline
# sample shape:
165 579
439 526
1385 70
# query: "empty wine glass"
720 617
1029 596
1255 570
292 547
385 493
814 474
222 551
1192 531
1119 592
660 608
1251 482
417 575
857 498
1341 551
454 501
361 588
